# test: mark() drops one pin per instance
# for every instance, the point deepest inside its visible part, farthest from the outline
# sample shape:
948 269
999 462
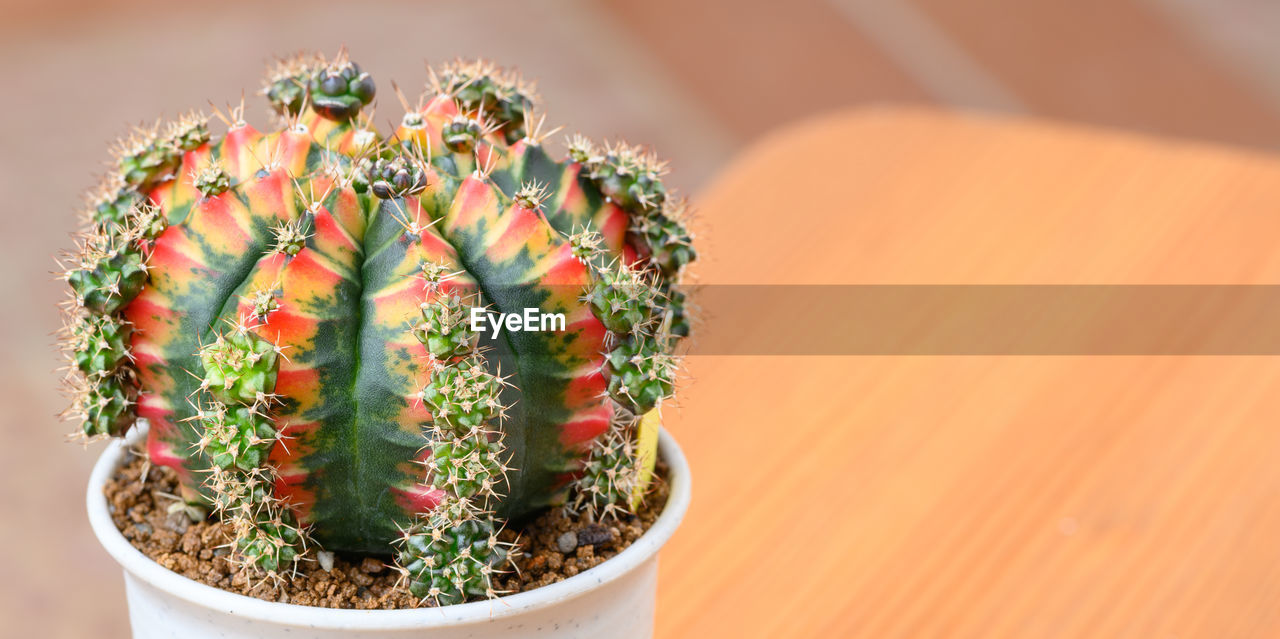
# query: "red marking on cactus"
284 327
285 457
298 382
154 406
563 269
153 324
293 332
412 214
174 252
587 325
271 197
344 207
587 388
631 257
579 433
143 358
311 269
293 428
442 107
518 229
181 190
572 197
160 437
485 154
475 199
397 304
417 411
519 148
435 247
288 150
163 196
612 223
291 489
225 220
239 154
266 273
420 498
194 158
160 449
330 238
160 387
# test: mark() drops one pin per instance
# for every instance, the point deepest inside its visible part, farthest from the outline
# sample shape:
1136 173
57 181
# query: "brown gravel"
550 548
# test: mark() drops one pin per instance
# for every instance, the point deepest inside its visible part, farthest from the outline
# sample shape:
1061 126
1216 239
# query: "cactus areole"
290 312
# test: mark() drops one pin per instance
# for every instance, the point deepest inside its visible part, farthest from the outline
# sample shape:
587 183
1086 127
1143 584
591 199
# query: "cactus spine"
290 313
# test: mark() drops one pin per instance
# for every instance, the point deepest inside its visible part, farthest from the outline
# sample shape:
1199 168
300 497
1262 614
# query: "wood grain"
1077 496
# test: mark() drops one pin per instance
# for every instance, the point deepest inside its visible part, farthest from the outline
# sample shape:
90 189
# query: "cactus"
290 312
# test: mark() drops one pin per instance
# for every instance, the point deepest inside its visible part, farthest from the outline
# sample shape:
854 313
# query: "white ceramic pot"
615 599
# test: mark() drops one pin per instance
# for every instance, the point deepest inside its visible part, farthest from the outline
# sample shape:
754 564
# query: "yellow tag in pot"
646 455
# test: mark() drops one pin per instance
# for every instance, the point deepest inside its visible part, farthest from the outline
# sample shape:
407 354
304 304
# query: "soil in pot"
550 548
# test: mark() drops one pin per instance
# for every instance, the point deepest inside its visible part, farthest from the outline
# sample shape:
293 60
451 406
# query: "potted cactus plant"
338 340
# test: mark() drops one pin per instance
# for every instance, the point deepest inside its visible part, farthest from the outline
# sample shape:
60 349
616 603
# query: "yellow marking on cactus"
646 455
342 265
181 191
167 285
559 268
475 200
271 198
398 303
238 149
266 272
171 264
433 248
344 205
406 364
222 225
290 148
345 137
518 230
311 281
563 298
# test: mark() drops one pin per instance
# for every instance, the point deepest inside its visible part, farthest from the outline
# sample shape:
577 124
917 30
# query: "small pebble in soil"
372 566
567 542
177 522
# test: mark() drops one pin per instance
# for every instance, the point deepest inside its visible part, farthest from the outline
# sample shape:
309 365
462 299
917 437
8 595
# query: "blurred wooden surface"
1029 497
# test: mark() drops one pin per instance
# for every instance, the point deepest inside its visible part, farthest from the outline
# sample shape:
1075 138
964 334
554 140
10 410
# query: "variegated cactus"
291 313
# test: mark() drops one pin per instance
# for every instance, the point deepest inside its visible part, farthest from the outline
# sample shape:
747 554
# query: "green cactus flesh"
450 555
289 311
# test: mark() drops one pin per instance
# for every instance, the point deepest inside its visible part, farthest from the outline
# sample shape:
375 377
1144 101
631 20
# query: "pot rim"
142 567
